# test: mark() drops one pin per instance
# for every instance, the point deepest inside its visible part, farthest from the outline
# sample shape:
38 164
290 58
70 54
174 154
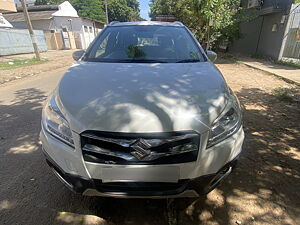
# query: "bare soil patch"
264 188
55 59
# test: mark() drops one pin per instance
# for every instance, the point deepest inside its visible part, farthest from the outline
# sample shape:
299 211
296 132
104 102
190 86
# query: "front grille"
140 148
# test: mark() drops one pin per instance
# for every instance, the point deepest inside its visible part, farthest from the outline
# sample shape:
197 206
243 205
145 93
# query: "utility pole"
106 12
29 26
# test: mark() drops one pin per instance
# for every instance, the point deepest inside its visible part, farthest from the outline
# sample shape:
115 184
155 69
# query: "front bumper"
183 188
192 179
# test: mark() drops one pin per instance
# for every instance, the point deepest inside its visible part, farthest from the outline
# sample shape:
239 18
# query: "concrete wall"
75 25
271 3
258 37
51 41
19 41
271 41
83 29
36 24
28 2
248 42
277 3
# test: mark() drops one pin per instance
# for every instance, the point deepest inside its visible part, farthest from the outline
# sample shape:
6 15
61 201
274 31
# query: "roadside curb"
270 73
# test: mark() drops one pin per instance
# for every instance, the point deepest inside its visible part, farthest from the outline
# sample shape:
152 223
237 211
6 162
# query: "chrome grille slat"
108 147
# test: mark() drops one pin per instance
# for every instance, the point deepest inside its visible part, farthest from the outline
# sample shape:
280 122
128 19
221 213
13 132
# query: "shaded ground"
264 189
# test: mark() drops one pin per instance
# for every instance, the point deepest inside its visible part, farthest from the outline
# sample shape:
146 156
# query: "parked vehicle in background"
144 113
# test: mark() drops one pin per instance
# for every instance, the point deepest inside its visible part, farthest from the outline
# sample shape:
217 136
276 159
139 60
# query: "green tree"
213 20
123 10
92 9
162 7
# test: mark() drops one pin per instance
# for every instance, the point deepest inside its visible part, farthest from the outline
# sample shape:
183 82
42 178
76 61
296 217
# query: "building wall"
83 29
277 3
248 42
271 41
36 24
271 3
19 41
258 35
56 23
75 25
88 31
28 2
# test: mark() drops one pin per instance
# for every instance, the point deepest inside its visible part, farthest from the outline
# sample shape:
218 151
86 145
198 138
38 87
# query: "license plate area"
168 174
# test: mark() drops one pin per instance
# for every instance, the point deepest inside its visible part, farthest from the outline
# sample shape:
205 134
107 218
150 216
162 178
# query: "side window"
101 50
186 48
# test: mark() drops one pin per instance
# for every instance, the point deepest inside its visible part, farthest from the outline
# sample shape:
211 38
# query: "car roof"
145 23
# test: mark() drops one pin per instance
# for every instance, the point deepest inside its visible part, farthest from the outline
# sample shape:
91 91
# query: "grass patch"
285 94
260 57
289 63
226 56
20 63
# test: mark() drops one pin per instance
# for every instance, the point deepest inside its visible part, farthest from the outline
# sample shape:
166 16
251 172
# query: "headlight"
56 124
226 125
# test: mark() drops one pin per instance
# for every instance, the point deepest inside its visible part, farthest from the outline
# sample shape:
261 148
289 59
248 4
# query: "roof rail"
178 22
113 22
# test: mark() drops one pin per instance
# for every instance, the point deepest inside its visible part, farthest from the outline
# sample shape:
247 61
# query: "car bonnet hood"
126 97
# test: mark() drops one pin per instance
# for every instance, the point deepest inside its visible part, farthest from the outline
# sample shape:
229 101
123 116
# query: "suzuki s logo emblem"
141 149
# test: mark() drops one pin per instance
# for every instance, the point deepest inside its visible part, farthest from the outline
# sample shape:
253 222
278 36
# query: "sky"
144 6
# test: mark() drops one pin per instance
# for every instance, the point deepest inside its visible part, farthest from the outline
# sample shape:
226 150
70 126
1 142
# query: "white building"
58 18
4 23
27 2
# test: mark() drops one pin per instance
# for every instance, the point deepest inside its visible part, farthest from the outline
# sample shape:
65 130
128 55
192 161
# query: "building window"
91 29
86 29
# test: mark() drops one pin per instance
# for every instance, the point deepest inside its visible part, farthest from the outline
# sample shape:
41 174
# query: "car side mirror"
212 55
78 54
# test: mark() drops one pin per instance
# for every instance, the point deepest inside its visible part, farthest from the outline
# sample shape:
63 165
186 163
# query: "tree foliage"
118 10
123 10
92 9
217 19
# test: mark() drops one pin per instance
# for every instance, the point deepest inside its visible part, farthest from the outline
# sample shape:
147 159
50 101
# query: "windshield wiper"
188 61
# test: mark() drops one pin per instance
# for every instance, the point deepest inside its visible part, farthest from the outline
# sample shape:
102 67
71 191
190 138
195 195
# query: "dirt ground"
56 59
263 189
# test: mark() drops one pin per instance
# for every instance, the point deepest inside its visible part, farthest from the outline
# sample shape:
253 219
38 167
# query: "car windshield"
144 44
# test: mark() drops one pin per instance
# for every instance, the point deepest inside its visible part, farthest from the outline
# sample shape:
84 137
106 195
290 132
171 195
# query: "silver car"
143 113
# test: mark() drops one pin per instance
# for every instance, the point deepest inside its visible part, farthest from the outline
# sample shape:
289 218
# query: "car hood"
126 97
